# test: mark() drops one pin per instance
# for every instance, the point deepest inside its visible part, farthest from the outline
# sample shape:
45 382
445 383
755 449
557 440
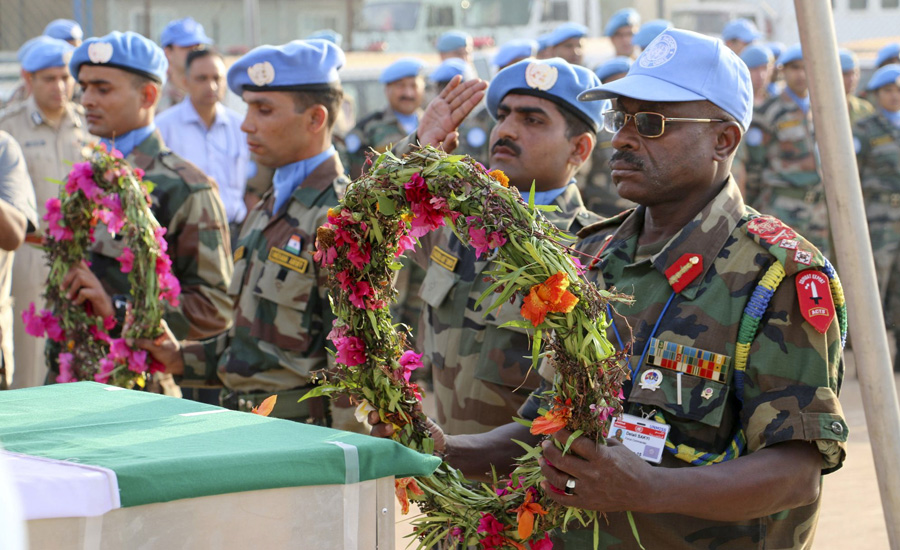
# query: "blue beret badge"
541 76
100 52
261 74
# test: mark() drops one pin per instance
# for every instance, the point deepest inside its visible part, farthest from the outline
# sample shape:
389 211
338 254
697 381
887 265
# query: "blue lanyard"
647 343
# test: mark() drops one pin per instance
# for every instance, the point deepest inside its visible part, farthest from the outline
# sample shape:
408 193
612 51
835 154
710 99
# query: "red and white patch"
803 257
770 229
816 303
789 244
683 272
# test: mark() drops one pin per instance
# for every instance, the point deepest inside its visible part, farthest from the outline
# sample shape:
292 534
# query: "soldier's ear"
582 146
318 118
150 93
728 138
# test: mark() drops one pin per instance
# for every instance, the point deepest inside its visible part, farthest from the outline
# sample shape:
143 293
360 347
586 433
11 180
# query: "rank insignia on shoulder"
294 245
769 229
689 360
290 261
816 302
681 273
803 257
239 253
444 259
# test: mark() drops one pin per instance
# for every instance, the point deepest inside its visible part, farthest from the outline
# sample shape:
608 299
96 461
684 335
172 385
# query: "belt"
809 196
311 411
883 197
32 238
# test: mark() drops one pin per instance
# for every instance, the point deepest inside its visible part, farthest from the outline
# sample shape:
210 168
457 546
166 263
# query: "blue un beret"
849 61
64 29
299 65
55 53
649 31
452 40
449 69
402 68
790 54
564 32
31 43
127 51
777 48
628 17
757 55
888 52
542 41
553 79
184 33
741 29
686 66
330 35
519 48
615 65
889 74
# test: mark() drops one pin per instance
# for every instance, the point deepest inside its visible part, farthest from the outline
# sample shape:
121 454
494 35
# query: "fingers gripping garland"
379 218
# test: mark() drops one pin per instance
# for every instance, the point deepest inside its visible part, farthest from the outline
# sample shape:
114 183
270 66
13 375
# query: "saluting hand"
445 113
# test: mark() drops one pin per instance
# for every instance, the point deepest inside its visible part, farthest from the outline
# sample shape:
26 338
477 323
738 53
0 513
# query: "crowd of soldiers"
255 315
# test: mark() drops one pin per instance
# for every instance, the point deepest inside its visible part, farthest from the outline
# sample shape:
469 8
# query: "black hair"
330 98
200 53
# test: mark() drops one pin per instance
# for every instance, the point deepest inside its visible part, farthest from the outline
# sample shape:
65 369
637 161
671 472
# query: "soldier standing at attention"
877 142
543 134
782 168
51 130
760 62
858 107
597 189
750 443
179 38
121 75
404 87
620 29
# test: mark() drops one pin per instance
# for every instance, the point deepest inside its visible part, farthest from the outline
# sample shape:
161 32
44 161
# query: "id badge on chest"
644 437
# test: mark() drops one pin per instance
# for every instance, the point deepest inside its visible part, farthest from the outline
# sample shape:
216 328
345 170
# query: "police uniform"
282 312
49 152
184 33
782 167
184 201
729 349
481 371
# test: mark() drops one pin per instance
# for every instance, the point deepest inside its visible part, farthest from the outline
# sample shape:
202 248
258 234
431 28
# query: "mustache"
503 142
407 98
628 157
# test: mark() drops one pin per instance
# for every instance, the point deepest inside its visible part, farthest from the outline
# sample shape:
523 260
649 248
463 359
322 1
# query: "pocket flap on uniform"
286 285
437 284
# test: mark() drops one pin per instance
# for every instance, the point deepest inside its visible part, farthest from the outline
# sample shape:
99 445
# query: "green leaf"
522 421
371 315
386 205
546 207
575 435
531 196
536 347
318 391
634 531
376 229
520 323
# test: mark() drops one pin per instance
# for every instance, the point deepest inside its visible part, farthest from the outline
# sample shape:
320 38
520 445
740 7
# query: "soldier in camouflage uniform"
761 62
481 371
282 312
858 107
782 166
759 401
877 141
596 185
112 71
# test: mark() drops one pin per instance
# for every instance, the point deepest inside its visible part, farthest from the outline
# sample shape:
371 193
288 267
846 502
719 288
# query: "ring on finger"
570 486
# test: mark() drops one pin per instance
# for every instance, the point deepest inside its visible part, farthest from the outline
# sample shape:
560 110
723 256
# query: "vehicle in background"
415 25
710 17
10 75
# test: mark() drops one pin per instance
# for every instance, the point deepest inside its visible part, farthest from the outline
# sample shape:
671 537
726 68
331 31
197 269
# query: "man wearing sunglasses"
744 443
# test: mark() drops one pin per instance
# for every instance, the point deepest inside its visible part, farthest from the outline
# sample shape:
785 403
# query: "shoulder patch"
793 251
604 224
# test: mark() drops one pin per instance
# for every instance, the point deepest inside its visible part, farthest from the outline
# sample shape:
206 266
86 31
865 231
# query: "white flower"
363 410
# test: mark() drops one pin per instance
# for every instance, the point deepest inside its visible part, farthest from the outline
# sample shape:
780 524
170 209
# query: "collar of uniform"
34 113
146 151
318 181
704 236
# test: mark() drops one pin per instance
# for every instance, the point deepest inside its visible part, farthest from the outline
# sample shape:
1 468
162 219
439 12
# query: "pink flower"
156 366
51 323
336 331
98 334
54 218
478 241
119 351
126 260
496 240
171 288
80 171
404 243
345 280
342 237
34 323
417 189
160 234
409 362
359 293
543 544
163 264
425 219
359 257
489 524
116 154
138 173
106 367
138 362
66 371
325 256
109 323
351 351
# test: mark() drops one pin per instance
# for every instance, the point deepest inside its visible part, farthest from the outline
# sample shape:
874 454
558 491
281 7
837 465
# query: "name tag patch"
693 361
444 259
643 437
290 261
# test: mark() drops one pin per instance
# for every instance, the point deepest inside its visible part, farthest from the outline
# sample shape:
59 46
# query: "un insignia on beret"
261 73
659 52
100 52
541 76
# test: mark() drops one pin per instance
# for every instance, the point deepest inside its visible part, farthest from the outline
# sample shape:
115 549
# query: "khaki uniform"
48 153
481 371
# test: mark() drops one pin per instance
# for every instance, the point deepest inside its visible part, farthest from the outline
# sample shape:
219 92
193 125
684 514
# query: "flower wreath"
379 218
104 189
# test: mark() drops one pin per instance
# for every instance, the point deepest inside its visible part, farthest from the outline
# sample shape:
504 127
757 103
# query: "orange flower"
555 419
550 296
501 178
265 408
525 515
402 488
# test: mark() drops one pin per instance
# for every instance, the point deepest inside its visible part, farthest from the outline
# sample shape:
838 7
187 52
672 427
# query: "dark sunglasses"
649 125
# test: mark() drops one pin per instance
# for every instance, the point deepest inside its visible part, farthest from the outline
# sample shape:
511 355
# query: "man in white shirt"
207 133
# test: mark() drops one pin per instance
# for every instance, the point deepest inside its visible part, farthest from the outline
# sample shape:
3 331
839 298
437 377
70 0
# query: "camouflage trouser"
804 210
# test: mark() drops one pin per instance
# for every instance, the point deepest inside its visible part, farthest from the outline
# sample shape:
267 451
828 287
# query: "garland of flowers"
379 218
104 190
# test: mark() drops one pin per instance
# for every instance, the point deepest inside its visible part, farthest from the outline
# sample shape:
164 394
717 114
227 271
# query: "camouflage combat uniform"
48 151
282 312
481 371
792 378
185 202
858 108
596 184
782 169
877 143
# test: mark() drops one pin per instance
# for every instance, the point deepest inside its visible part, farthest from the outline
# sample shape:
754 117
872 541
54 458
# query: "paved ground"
851 515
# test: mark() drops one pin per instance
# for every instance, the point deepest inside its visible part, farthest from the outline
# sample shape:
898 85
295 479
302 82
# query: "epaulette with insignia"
604 224
791 250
